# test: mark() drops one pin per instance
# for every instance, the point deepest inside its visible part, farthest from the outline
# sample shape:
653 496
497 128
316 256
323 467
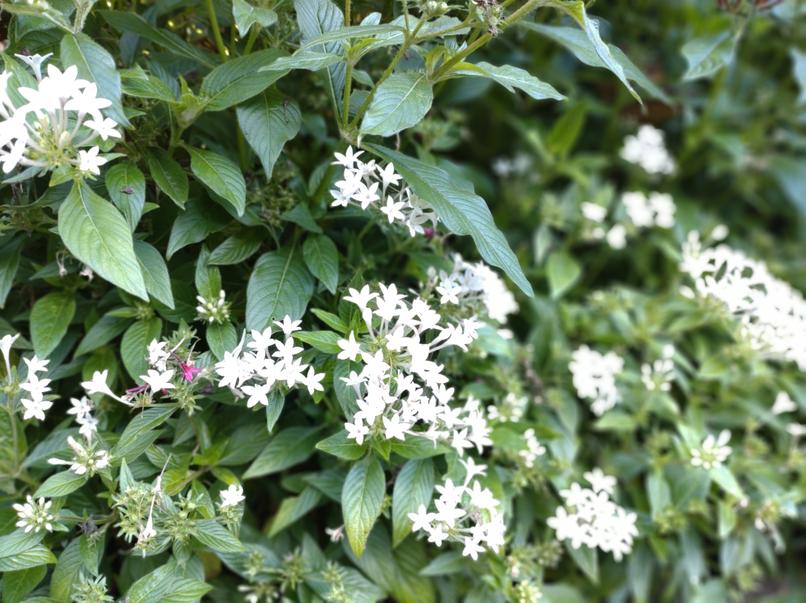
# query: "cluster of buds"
490 13
213 310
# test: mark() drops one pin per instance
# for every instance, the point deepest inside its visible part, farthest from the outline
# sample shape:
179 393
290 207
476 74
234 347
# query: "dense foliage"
412 301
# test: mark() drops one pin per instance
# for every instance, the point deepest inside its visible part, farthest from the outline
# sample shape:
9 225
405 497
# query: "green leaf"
322 259
220 175
578 43
444 564
324 341
660 495
268 121
239 79
138 433
166 585
799 71
315 18
134 345
60 484
33 557
155 273
587 560
727 481
17 584
362 500
102 332
274 409
10 255
562 271
461 210
129 21
95 64
169 176
339 445
236 249
50 318
246 16
400 102
221 338
309 60
95 232
212 534
418 447
566 130
280 285
66 572
288 448
140 84
511 77
707 55
413 487
331 320
294 508
126 186
194 224
576 9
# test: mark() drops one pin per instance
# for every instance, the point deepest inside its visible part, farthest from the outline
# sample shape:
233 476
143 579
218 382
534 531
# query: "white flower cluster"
783 404
589 516
511 409
260 363
533 449
466 513
399 386
713 452
594 376
81 408
367 184
649 211
60 118
34 515
474 285
770 312
33 402
647 148
87 458
658 375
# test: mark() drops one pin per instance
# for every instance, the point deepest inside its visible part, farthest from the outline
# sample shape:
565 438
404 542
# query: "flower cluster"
589 516
783 404
261 363
33 402
476 286
213 310
511 409
713 452
88 458
647 148
771 313
400 386
34 515
594 376
467 513
367 184
81 408
658 375
61 117
533 449
649 211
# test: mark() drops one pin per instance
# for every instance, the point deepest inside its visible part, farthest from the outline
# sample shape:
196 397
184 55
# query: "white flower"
657 209
658 375
157 354
356 431
335 534
89 162
6 342
594 212
770 314
591 518
594 377
106 128
783 404
533 450
617 236
713 451
350 348
468 514
97 385
364 184
288 326
648 150
86 459
158 380
35 409
34 515
232 496
600 482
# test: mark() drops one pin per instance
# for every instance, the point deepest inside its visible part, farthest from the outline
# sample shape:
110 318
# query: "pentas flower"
33 399
647 148
87 458
770 313
466 513
649 211
6 343
511 409
473 286
34 515
658 375
81 409
58 125
368 185
231 497
591 518
213 310
594 377
783 404
713 452
262 363
400 389
533 449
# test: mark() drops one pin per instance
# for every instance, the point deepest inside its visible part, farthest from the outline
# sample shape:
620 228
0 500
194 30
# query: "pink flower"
189 371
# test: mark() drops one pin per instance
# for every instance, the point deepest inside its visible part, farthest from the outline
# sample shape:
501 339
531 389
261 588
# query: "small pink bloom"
189 371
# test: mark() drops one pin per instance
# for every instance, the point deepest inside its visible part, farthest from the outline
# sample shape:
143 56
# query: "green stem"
348 82
347 8
250 41
219 40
